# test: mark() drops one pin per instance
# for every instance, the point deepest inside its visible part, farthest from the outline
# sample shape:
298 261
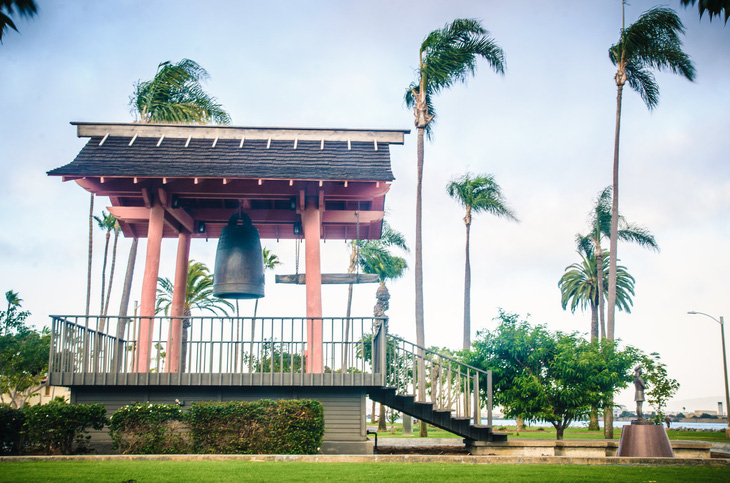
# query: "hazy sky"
544 129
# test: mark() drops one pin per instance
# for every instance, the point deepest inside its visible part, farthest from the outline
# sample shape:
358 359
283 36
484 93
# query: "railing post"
51 351
489 398
477 406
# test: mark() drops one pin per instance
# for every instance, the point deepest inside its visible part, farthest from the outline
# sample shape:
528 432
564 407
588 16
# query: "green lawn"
224 471
549 433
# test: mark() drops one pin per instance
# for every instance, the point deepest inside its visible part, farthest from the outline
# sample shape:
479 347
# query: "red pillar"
311 218
177 309
149 286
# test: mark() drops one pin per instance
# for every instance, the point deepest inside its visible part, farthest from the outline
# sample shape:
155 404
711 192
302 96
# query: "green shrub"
11 426
60 428
261 427
146 428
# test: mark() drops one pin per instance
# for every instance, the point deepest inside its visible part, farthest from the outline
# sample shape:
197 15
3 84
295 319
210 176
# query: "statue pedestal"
644 438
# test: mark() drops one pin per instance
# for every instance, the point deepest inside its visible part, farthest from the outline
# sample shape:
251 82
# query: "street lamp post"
724 366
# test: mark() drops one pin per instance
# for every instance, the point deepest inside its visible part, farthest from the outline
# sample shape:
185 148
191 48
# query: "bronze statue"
639 396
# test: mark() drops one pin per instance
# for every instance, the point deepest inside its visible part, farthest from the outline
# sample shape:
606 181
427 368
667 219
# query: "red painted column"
177 308
149 286
311 222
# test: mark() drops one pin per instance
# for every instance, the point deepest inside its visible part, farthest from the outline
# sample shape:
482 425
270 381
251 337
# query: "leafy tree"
660 388
712 7
579 288
478 194
198 296
12 318
548 376
23 353
25 8
175 95
600 226
652 42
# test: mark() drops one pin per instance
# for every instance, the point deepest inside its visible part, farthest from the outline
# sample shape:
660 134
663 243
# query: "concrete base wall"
344 408
575 448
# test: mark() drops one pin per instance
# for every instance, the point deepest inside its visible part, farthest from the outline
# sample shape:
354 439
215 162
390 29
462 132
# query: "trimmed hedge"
11 427
146 428
60 428
260 427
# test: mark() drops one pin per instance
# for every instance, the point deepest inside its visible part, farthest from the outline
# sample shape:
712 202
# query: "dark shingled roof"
280 160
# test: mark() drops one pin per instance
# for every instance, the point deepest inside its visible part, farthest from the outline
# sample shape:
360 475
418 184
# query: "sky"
545 130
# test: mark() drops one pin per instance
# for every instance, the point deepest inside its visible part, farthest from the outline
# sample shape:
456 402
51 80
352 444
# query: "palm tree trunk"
124 305
613 250
594 322
467 285
111 272
91 243
601 284
420 333
103 271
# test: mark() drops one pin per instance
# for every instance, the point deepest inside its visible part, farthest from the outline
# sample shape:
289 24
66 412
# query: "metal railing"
448 384
94 344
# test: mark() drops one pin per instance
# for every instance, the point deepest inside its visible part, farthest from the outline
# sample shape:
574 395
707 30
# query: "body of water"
616 424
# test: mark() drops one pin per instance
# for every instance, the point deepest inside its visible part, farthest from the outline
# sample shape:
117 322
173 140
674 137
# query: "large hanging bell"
239 263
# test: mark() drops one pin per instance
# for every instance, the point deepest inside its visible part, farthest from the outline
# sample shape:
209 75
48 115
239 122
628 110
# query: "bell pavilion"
185 182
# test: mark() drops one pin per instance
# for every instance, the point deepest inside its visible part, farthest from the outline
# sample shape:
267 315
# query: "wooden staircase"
441 418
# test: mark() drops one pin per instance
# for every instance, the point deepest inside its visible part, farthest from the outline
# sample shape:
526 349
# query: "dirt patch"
426 450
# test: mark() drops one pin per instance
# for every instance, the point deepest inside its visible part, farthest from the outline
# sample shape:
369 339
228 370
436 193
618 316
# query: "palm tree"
375 257
25 8
107 223
198 295
14 303
389 238
712 7
446 56
579 287
111 271
91 252
600 222
478 195
176 96
652 42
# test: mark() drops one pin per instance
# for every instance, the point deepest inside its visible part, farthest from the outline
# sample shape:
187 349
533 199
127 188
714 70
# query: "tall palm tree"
600 226
111 270
712 7
579 287
198 296
478 194
25 8
446 56
107 223
652 42
176 96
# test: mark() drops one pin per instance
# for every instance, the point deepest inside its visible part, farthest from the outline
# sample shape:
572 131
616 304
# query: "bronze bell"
239 263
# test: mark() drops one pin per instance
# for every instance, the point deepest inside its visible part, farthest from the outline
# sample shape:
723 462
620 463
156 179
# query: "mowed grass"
225 471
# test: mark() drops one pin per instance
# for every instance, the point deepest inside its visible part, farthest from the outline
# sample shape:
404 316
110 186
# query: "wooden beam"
350 216
130 213
331 278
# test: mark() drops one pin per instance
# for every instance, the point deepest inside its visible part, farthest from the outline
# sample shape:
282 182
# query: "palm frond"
712 7
481 193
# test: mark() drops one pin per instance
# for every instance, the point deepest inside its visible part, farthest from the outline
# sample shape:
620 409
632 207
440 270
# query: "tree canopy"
540 375
175 95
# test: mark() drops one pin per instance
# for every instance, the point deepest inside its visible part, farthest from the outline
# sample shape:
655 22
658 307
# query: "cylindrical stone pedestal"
644 438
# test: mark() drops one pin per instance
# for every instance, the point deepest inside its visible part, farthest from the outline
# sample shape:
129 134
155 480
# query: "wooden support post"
177 308
149 286
311 222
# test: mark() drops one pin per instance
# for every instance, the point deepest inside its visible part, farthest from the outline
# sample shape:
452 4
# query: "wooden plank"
331 278
394 136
